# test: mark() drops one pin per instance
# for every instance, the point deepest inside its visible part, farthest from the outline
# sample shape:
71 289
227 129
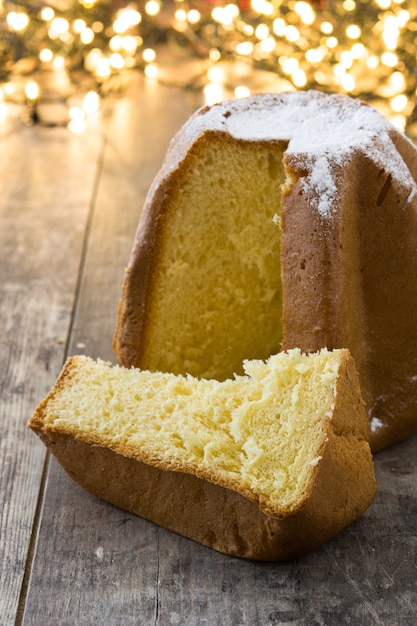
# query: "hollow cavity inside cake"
281 221
266 466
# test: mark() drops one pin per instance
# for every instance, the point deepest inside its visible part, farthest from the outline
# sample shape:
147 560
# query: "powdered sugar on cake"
321 132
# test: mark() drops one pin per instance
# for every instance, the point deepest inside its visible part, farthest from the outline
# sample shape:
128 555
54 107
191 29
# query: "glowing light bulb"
194 16
213 93
244 48
151 71
126 18
242 91
116 61
279 27
47 14
46 55
299 78
91 102
87 36
17 21
353 31
215 74
152 7
32 90
305 11
149 55
103 69
59 26
399 103
78 26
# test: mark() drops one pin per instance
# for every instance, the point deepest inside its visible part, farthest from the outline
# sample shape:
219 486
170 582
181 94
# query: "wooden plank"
100 565
46 182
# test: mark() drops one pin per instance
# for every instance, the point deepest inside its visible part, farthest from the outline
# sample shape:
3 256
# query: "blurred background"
59 59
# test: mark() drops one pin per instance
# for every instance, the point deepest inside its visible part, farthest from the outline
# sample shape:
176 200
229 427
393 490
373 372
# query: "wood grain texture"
43 215
64 241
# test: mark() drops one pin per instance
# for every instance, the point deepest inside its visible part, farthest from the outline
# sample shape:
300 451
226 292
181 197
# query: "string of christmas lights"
75 52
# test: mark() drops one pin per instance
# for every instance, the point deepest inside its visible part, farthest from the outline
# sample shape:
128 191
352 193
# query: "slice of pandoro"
268 465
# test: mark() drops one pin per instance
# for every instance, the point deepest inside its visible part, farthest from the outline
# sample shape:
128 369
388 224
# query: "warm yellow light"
151 70
103 69
17 21
88 4
194 16
59 62
326 28
339 70
242 91
87 36
391 32
76 113
372 62
268 44
77 126
358 51
314 55
78 26
349 5
397 82
248 30
149 55
292 33
290 65
215 74
383 4
152 7
214 55
59 26
279 26
126 18
331 42
305 11
262 31
299 78
225 15
32 90
129 43
97 27
116 43
346 59
180 15
389 59
47 14
213 93
262 7
91 102
116 61
348 82
46 55
245 48
353 31
399 103
402 18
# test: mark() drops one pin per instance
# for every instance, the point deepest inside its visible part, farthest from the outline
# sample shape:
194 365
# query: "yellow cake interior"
262 433
216 296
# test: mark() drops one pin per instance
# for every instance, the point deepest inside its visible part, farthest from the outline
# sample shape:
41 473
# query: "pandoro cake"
267 465
277 222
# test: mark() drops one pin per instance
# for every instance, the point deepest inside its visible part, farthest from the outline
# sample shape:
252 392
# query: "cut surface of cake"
267 465
275 222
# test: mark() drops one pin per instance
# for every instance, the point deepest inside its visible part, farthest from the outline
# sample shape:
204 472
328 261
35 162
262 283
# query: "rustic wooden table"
69 207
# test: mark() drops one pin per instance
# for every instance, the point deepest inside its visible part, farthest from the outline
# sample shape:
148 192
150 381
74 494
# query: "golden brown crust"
348 279
217 516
